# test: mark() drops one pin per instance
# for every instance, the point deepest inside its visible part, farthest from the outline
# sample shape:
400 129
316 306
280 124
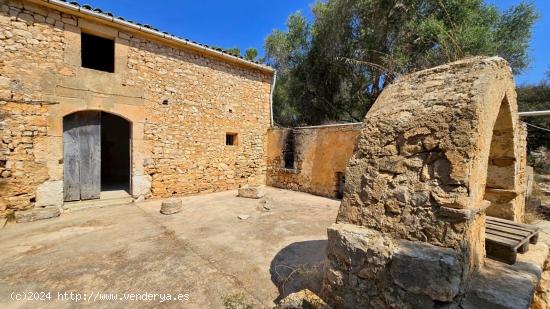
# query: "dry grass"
237 301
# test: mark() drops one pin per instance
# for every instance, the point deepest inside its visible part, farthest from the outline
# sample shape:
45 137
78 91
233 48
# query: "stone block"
141 185
252 191
503 286
5 82
171 206
421 268
50 193
37 214
358 247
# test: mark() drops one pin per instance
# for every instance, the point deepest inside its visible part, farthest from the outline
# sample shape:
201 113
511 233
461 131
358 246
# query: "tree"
251 54
235 51
334 68
534 98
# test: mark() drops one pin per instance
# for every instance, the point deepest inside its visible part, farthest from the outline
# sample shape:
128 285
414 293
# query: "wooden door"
82 156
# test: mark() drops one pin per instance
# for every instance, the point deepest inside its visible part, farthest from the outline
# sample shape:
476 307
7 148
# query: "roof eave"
147 32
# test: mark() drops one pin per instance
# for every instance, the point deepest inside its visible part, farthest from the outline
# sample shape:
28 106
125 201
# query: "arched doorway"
97 156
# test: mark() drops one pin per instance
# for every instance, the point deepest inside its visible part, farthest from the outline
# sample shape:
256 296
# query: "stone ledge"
499 285
455 214
37 214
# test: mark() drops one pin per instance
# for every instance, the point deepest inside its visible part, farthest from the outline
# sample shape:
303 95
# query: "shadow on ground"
299 266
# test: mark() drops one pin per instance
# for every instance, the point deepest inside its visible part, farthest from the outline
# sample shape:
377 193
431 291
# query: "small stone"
171 206
265 205
430 143
392 206
252 191
23 33
39 18
5 82
394 165
28 18
37 214
69 21
411 149
243 217
402 194
420 198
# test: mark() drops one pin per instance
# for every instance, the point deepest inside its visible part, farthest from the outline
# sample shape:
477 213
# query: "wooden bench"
505 238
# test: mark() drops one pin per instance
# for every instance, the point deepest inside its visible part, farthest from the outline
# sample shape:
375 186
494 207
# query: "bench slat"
508 230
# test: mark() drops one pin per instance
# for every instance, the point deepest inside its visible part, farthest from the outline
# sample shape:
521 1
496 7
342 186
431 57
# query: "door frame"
130 146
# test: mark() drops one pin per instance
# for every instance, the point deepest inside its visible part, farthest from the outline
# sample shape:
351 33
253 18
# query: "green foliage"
235 51
535 98
251 54
334 68
236 301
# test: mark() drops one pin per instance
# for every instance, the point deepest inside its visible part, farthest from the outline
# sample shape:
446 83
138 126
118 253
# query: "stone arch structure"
438 149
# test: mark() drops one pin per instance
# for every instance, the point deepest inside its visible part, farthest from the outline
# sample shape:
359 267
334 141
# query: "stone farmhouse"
92 102
433 182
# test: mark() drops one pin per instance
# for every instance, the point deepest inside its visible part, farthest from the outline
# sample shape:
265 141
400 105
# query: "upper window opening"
98 53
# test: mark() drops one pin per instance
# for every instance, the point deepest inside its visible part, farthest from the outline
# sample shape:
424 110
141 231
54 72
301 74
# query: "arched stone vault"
438 148
425 146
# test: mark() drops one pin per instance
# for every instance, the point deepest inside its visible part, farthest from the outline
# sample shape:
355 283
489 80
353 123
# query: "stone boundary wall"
180 104
320 155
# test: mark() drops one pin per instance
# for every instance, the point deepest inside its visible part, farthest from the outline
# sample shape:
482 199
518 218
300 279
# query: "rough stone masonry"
439 149
180 102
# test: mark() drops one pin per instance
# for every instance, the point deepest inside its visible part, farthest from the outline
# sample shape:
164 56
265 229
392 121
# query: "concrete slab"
204 251
499 285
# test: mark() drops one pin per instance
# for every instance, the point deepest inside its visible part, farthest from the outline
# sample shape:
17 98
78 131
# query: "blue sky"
240 23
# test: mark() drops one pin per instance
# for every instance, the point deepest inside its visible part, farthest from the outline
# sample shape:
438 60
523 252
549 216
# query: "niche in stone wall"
501 170
289 150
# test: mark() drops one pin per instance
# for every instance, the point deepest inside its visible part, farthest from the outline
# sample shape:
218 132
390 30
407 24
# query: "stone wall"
320 156
181 104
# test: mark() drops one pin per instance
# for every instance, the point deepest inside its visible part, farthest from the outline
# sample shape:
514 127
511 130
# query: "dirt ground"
205 255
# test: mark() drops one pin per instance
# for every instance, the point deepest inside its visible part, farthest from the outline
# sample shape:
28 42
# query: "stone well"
439 149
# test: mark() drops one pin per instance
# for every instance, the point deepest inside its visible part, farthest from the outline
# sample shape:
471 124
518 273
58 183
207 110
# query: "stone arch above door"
53 145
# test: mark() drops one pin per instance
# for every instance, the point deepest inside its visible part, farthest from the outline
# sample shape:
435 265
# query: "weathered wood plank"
515 238
71 158
500 253
507 229
510 243
90 155
512 223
